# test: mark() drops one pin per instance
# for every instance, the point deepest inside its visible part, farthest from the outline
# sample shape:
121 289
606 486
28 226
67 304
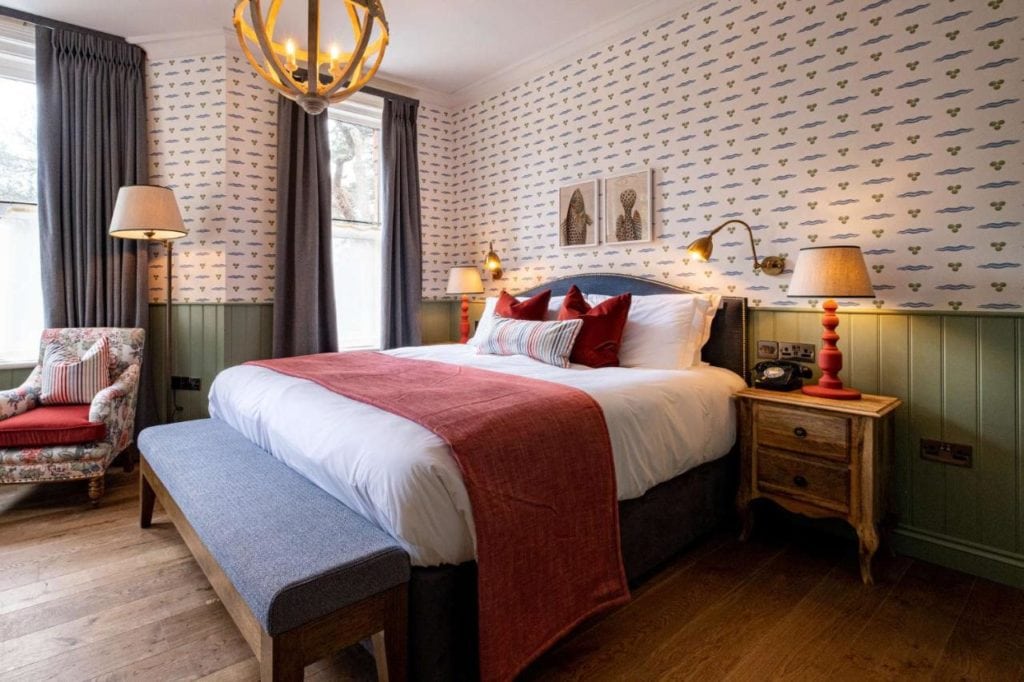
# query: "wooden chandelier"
340 73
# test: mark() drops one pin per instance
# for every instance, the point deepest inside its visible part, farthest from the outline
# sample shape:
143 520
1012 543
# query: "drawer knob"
800 432
799 481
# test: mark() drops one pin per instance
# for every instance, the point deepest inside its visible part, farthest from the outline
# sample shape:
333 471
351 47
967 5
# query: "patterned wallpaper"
891 124
188 147
437 178
213 138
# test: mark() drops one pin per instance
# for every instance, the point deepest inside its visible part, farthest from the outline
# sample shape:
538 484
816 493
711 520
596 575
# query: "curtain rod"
53 23
370 90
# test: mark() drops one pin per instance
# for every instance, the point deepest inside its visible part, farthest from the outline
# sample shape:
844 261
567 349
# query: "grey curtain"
401 236
92 140
304 314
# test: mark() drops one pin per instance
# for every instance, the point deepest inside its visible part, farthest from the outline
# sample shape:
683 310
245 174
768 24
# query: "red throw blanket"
537 462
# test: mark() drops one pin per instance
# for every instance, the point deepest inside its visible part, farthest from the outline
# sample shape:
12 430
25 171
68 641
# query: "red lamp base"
464 320
834 393
830 359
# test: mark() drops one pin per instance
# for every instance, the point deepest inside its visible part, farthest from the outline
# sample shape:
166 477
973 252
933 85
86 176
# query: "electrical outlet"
767 350
956 454
801 352
185 383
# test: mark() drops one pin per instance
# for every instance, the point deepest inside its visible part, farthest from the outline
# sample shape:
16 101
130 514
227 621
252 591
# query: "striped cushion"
549 342
70 380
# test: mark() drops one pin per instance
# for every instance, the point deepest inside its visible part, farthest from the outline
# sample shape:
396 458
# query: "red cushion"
51 425
600 337
531 309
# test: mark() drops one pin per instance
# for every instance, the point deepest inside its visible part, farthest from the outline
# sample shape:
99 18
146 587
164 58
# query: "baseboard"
986 562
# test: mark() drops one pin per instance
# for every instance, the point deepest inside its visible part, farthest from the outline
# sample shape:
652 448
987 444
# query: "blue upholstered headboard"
728 344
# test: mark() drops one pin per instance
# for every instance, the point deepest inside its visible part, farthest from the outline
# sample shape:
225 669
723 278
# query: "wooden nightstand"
818 457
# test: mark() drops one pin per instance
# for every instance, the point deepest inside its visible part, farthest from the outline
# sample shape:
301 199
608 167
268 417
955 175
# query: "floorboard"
87 595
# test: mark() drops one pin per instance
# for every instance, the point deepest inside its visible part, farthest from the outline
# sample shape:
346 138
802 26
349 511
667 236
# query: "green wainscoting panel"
436 321
961 379
207 338
960 376
12 378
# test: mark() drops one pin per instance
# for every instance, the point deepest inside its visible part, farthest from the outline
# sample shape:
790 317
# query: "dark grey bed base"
654 528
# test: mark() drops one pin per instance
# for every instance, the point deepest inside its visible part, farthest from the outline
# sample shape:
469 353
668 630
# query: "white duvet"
404 478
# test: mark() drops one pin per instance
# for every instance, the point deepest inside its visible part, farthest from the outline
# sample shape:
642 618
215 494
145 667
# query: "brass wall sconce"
492 263
701 250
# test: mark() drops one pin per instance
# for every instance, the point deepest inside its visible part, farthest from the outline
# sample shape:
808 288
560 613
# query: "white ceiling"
446 46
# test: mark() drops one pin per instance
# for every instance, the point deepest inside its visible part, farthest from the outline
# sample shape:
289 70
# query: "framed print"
628 208
577 215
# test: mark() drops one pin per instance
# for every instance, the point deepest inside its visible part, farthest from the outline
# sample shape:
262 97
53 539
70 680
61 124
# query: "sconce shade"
492 263
831 272
147 212
701 249
465 279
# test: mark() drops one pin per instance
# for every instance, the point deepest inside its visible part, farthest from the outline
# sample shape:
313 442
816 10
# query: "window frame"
367 111
17 63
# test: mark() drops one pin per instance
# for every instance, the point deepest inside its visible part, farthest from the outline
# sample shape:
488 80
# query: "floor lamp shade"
831 272
150 213
147 212
464 280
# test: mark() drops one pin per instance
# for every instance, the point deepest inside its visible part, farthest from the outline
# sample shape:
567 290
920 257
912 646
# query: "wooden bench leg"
390 648
146 499
279 661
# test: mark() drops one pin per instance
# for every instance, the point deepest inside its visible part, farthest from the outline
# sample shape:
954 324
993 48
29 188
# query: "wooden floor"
85 594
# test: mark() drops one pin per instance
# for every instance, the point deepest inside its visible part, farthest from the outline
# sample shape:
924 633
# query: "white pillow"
660 331
483 328
665 331
706 308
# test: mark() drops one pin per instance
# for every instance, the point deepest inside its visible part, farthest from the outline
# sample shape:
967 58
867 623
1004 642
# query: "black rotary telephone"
780 375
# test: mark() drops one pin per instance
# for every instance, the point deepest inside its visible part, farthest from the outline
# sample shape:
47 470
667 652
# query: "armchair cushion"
51 425
70 379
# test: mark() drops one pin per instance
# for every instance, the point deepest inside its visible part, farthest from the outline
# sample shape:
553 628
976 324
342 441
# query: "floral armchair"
114 406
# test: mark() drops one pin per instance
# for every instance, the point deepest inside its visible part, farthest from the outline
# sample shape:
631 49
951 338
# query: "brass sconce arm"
702 247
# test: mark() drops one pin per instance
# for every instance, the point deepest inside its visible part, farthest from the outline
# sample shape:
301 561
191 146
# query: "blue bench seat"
301 574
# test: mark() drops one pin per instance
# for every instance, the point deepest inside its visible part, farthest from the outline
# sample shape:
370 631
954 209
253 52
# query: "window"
21 311
354 131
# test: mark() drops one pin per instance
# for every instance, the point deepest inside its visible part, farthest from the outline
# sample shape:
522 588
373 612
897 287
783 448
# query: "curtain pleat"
304 313
92 139
401 236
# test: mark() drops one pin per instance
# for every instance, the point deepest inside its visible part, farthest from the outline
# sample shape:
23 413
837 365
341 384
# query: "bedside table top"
867 406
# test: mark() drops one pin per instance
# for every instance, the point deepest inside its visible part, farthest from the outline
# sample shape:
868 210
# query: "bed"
674 475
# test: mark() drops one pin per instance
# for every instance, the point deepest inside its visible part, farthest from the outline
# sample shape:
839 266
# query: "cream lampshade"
464 280
150 213
830 272
147 212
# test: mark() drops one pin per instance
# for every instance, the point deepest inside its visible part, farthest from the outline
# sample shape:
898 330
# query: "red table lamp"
464 280
830 272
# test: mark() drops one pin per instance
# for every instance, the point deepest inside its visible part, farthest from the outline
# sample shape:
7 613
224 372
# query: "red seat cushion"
531 309
600 337
51 425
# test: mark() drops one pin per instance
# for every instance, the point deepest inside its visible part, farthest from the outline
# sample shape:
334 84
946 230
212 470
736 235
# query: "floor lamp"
150 213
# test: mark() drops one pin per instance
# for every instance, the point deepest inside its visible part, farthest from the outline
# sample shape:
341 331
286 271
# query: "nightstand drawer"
804 431
819 484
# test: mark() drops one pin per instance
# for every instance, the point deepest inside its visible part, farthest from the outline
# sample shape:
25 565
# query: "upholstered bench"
300 573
